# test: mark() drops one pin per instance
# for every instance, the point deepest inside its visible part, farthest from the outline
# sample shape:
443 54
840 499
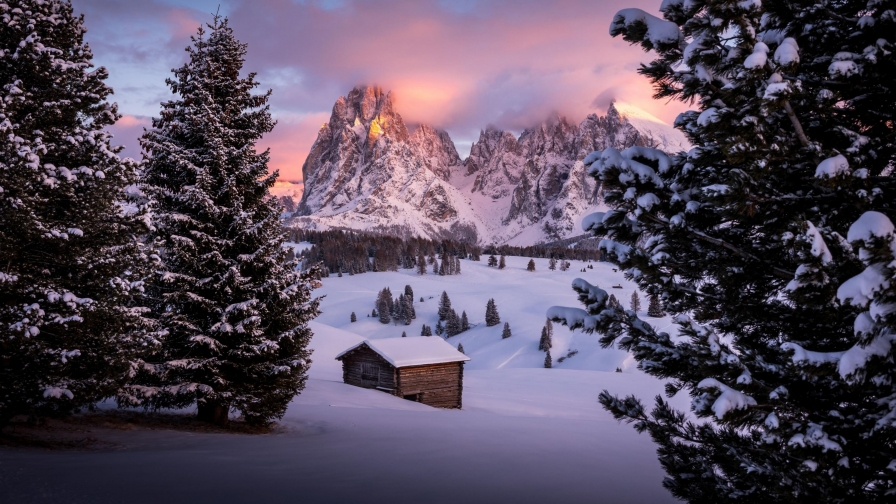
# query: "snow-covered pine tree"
421 264
491 314
492 260
506 332
382 306
635 304
452 325
460 348
502 262
547 336
406 309
236 312
444 306
552 264
654 308
71 264
354 317
548 362
426 331
398 314
564 265
612 302
771 242
412 312
531 265
408 291
439 328
464 322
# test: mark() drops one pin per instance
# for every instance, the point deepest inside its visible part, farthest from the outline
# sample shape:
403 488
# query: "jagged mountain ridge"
367 171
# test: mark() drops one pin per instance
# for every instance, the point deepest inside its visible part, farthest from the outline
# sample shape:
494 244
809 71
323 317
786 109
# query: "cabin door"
370 374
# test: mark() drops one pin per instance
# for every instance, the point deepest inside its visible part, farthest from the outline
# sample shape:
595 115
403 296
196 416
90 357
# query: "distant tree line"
353 252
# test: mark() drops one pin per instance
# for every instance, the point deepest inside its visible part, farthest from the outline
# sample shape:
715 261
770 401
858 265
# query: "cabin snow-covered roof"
413 351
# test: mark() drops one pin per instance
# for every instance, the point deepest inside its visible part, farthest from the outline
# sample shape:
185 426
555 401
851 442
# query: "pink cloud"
510 63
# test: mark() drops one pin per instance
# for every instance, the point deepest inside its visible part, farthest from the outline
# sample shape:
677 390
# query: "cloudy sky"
458 65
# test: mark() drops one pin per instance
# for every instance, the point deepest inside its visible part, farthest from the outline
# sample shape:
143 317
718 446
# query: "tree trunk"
213 412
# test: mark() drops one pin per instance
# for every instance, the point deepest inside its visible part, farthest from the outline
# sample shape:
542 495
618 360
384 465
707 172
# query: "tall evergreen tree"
502 263
439 328
506 332
236 312
457 265
421 264
548 362
772 244
408 291
382 307
71 264
635 303
654 308
452 324
547 336
491 314
444 306
464 322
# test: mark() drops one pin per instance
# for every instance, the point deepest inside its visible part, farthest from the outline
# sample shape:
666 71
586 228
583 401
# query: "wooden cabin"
425 369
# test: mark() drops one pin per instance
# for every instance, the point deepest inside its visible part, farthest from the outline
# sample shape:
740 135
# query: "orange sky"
458 65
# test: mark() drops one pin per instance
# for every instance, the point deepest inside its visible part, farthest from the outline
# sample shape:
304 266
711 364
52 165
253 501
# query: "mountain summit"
367 171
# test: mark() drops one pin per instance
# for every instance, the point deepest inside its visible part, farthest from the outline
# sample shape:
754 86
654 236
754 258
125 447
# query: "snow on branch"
728 400
635 25
574 318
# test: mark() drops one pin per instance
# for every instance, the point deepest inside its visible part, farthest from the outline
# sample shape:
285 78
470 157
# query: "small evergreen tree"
552 264
409 292
409 306
502 263
436 267
404 334
464 322
382 307
235 311
565 265
426 331
635 304
421 264
421 299
452 325
654 308
457 265
491 314
531 265
444 306
506 332
547 336
460 348
612 302
492 260
439 328
548 363
354 317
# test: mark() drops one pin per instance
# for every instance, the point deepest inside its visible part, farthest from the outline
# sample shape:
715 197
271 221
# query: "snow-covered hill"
367 171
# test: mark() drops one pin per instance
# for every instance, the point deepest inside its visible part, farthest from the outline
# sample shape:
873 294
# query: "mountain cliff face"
366 171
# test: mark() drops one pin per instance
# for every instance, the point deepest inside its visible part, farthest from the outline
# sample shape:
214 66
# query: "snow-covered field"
525 434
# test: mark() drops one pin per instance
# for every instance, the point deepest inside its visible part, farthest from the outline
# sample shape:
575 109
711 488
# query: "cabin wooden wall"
439 385
352 369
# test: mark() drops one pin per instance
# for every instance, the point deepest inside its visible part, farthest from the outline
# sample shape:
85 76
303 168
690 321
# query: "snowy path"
526 434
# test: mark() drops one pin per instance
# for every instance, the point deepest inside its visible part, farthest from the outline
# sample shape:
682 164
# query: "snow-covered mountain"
367 171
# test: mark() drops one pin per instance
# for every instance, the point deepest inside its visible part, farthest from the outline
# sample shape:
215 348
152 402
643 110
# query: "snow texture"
831 167
728 400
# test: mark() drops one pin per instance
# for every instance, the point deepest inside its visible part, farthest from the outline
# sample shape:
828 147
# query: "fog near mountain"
367 171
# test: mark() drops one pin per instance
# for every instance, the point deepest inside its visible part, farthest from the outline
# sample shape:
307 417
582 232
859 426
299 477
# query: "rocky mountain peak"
436 149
